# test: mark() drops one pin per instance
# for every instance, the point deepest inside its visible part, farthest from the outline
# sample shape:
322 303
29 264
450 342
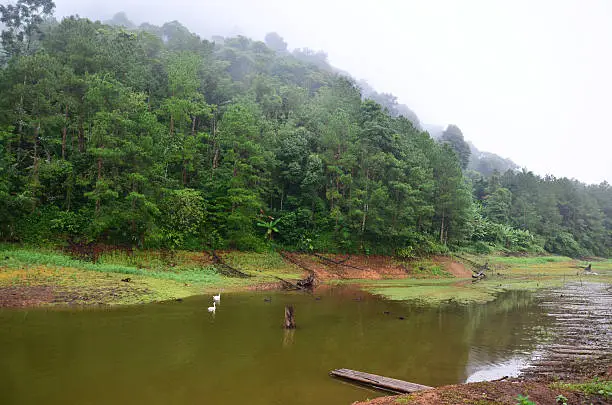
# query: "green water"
178 353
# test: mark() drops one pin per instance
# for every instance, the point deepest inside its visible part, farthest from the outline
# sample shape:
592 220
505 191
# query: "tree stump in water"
289 317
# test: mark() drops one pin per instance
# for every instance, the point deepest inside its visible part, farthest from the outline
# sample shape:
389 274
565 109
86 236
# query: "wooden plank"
380 382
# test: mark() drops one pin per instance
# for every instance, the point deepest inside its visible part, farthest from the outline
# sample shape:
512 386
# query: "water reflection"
179 353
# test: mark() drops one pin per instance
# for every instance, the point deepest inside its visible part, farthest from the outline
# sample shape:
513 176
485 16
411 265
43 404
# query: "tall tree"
22 22
454 137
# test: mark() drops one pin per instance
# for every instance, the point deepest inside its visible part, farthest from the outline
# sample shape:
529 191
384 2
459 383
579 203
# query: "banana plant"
270 227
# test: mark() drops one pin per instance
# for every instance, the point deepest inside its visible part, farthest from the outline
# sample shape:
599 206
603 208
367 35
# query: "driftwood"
225 268
479 275
289 317
308 282
479 272
293 286
378 381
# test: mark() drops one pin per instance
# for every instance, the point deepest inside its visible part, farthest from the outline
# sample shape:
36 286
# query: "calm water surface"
178 353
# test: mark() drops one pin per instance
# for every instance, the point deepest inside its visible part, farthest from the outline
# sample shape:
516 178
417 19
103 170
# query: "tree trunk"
134 209
442 228
215 149
99 178
289 317
81 137
64 133
99 168
36 133
365 216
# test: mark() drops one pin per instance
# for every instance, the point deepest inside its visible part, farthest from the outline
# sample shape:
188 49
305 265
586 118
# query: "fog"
526 80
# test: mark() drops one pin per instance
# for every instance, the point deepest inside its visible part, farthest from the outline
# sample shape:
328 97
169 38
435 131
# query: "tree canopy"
154 137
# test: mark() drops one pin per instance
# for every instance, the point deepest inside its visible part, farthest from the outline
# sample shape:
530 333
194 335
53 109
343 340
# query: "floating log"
289 317
379 382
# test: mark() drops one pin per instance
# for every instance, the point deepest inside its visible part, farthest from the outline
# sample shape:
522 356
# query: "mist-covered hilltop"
485 163
154 137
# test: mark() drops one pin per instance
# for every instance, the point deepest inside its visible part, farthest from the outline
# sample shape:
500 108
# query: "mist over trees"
154 137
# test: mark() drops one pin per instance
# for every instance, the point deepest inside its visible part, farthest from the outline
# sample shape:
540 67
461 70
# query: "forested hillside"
153 137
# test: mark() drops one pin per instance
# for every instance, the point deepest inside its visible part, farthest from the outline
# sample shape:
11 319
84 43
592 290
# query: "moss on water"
529 273
433 293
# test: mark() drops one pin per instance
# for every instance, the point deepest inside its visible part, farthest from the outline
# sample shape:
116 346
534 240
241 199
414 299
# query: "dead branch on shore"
293 286
337 263
478 266
287 257
225 268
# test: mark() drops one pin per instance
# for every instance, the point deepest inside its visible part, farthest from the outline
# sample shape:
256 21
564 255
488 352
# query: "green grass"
269 263
154 275
433 293
526 261
20 257
595 387
524 400
428 268
506 274
177 274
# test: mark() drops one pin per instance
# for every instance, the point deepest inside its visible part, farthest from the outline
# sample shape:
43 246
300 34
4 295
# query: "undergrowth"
595 387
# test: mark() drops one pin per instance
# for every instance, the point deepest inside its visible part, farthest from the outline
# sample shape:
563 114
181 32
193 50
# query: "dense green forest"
153 137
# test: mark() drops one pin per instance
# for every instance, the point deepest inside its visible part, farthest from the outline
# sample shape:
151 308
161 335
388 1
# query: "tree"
454 137
22 21
276 42
498 204
154 137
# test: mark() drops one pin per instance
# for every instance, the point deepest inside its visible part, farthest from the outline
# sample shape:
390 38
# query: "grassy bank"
150 275
157 275
506 273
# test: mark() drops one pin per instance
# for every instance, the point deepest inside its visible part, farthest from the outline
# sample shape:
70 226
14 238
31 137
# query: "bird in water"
268 299
217 298
401 318
213 309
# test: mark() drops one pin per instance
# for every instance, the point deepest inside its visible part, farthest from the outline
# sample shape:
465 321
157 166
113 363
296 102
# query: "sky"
528 80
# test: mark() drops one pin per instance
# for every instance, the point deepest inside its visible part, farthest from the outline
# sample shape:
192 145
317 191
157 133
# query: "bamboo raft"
379 382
